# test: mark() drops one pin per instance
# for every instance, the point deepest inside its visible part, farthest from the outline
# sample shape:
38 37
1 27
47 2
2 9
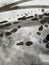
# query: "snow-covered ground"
13 54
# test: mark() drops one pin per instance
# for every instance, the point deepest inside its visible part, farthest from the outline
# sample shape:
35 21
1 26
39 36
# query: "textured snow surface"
11 51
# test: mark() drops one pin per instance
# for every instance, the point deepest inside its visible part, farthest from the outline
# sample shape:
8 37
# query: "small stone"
22 18
19 26
29 43
46 25
16 22
8 24
41 28
38 33
8 33
14 30
46 14
21 43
